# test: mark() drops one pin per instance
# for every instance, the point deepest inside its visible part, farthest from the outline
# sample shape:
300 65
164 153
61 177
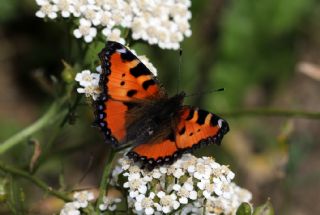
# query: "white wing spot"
123 50
220 121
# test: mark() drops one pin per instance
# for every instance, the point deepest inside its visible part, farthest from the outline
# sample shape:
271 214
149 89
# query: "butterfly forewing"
127 78
125 81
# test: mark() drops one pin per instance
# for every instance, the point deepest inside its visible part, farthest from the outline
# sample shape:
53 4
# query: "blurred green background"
266 54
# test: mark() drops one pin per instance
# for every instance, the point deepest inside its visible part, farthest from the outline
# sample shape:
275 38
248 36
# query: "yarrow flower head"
89 83
70 209
165 23
145 204
109 203
190 185
167 202
47 9
81 200
85 30
185 192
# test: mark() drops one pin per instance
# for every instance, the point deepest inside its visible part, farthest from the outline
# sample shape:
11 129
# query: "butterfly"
134 109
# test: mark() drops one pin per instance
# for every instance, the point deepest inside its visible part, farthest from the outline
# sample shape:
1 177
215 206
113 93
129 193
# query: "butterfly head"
178 99
180 96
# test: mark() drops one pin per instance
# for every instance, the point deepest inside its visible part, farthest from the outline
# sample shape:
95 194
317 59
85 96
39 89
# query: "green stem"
50 117
54 154
71 109
46 151
36 181
105 178
204 206
271 112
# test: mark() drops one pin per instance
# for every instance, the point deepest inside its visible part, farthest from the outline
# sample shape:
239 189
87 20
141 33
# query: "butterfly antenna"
205 92
179 72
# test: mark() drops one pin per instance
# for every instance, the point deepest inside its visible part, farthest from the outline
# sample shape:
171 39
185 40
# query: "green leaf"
244 209
265 209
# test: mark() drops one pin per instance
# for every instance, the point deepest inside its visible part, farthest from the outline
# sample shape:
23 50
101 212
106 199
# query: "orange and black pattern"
124 81
196 128
133 108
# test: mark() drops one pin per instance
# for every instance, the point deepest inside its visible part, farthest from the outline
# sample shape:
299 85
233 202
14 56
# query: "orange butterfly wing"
155 153
124 81
196 127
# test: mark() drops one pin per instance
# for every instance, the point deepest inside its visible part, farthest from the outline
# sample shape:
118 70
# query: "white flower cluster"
191 185
89 81
165 23
109 203
81 200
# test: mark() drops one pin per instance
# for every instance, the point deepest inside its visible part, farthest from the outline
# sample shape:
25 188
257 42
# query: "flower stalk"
34 180
271 112
105 178
53 114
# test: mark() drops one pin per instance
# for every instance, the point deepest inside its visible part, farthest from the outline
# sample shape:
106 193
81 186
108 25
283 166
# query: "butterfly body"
134 109
152 119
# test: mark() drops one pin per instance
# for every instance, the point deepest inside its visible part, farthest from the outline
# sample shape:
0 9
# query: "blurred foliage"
250 48
265 209
257 45
7 10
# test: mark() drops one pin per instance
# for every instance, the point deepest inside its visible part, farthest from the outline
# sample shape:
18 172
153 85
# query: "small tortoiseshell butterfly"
134 109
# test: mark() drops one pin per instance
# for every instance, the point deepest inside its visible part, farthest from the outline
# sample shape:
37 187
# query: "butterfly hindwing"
155 153
124 81
196 127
